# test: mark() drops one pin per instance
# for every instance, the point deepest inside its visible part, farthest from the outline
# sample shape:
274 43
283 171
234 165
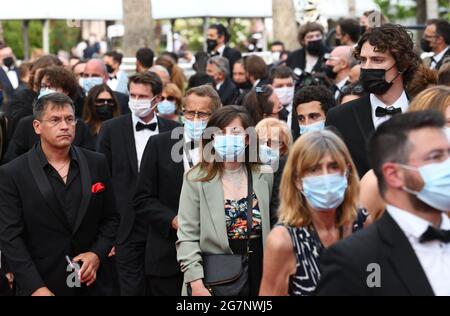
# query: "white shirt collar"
256 83
221 49
342 83
412 225
437 58
402 103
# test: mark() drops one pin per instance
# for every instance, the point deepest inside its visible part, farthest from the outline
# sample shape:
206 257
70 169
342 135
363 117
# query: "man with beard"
216 44
407 252
118 79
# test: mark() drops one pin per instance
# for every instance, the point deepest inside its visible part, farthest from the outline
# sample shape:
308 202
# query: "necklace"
65 164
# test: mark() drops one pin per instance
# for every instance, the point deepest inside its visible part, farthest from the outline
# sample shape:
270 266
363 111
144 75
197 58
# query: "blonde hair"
435 98
306 153
266 126
172 90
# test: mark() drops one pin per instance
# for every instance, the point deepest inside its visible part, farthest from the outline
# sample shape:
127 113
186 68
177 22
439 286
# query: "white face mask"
286 95
141 108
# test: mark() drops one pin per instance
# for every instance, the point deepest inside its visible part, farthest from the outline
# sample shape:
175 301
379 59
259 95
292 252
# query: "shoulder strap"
249 206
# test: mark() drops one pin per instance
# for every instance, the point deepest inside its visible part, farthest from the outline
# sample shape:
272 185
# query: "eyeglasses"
109 102
190 115
353 89
168 98
58 120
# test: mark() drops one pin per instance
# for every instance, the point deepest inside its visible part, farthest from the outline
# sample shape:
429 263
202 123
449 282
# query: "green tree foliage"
395 11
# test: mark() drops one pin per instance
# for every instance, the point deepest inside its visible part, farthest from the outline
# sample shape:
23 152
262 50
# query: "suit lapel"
163 125
213 193
44 187
402 257
86 184
130 143
260 188
363 116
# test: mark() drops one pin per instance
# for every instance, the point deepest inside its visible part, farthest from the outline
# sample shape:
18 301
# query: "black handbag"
227 275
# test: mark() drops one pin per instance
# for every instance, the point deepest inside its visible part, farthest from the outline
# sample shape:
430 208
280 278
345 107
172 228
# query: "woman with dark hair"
262 102
100 105
214 203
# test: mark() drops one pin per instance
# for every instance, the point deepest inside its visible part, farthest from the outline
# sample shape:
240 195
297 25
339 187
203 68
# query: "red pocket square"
98 187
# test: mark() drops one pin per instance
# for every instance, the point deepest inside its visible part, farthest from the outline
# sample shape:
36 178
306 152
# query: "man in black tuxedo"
151 266
217 68
96 73
308 59
436 39
123 139
216 44
57 202
384 75
25 138
9 74
407 252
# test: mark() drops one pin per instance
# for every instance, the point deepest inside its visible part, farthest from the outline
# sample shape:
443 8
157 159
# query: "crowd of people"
246 179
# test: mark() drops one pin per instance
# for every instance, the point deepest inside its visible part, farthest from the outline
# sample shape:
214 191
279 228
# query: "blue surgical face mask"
229 147
194 129
325 192
267 155
89 83
436 191
315 127
46 91
166 107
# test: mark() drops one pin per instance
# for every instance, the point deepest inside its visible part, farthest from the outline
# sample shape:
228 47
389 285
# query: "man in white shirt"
9 75
436 39
386 68
118 79
407 252
216 43
339 64
167 158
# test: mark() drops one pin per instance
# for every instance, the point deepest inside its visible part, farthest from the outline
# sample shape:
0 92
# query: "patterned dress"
236 223
307 249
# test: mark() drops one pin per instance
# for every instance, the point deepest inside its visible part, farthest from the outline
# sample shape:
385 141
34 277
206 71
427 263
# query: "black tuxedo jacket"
345 265
445 59
24 138
19 106
233 55
228 92
156 204
116 142
354 123
6 84
35 235
297 59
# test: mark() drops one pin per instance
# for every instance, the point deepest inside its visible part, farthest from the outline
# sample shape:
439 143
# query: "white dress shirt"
289 108
437 58
340 85
401 102
12 76
434 256
220 50
141 138
193 153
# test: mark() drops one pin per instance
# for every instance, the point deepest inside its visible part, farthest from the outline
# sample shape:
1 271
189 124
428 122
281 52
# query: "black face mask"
109 69
315 48
338 42
374 80
425 45
363 29
104 112
244 86
330 73
210 45
8 62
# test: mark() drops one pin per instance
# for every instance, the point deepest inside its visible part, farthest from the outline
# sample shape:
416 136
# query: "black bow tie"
381 112
113 77
141 127
435 234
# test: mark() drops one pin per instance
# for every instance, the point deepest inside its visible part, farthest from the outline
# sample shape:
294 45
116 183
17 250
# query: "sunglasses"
168 98
109 102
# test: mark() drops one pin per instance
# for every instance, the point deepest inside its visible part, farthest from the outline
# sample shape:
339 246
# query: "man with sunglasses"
123 139
57 201
151 265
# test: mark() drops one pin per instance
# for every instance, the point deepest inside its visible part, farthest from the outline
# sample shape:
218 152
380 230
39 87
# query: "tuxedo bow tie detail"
432 234
381 112
141 127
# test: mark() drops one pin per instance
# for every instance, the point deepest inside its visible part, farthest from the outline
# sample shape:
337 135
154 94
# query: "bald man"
95 74
338 67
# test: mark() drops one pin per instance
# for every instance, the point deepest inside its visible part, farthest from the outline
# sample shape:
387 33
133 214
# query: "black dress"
236 221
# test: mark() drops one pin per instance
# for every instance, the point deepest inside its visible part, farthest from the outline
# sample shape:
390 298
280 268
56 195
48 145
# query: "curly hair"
423 79
395 40
59 77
